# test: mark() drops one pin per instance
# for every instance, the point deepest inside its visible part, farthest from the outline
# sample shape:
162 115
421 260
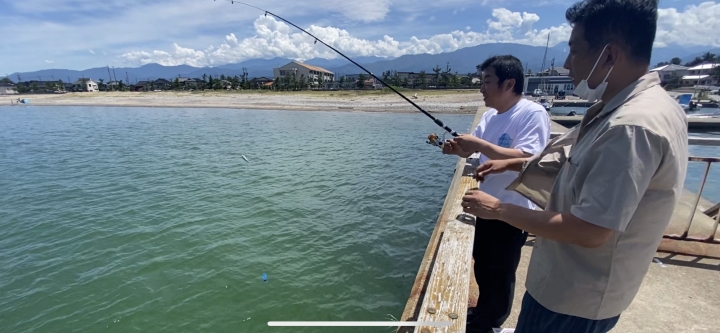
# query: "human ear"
612 56
509 84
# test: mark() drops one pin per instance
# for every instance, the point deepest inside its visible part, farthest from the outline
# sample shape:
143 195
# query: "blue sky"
80 34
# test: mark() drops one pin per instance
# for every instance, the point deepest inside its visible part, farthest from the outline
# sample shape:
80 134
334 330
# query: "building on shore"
700 75
369 82
549 84
7 88
313 75
671 73
426 78
85 84
262 83
550 81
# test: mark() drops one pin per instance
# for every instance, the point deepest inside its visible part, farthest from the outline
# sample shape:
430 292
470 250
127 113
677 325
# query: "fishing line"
432 139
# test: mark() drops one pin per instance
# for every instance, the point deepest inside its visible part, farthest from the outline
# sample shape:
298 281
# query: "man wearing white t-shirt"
513 127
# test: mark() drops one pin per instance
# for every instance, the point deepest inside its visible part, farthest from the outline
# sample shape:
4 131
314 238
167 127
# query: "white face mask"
592 95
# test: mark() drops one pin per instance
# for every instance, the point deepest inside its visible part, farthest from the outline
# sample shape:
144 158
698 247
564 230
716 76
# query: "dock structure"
571 103
680 291
694 124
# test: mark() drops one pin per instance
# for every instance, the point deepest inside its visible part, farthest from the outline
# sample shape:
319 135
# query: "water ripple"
148 220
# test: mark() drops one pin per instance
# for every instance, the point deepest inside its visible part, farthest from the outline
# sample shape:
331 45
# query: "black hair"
507 67
631 23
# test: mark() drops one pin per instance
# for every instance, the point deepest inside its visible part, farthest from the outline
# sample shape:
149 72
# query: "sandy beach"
444 101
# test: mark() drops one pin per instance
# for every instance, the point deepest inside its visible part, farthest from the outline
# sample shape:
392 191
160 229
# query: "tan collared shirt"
622 168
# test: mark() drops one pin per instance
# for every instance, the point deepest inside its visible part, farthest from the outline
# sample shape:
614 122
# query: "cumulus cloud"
697 25
57 29
274 38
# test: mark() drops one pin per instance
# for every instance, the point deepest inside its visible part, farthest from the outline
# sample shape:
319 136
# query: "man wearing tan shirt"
608 187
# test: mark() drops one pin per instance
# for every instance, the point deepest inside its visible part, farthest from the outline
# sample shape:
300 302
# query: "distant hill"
462 61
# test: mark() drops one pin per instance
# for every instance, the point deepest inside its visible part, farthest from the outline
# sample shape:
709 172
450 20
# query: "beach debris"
245 158
264 277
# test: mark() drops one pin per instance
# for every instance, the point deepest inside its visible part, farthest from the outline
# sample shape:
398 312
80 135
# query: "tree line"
438 79
708 57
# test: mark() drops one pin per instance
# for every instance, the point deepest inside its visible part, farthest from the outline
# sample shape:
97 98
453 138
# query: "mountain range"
462 61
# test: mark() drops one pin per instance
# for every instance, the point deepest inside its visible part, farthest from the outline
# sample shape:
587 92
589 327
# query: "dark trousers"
535 318
496 251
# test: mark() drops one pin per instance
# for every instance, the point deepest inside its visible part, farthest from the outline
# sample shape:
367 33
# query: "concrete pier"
680 293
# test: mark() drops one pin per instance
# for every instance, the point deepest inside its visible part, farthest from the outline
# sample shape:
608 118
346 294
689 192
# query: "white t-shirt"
525 126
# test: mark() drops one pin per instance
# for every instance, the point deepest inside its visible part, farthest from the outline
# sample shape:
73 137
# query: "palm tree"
708 57
437 75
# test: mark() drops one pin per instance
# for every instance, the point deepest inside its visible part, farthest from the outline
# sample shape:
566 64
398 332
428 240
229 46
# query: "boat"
684 100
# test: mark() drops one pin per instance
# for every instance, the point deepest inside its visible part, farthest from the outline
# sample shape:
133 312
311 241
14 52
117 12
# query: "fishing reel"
434 140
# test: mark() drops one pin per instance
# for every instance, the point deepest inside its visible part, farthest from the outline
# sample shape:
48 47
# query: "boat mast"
542 67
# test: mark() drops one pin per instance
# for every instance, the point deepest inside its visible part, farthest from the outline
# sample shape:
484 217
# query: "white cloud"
274 38
697 25
468 28
49 61
58 29
91 51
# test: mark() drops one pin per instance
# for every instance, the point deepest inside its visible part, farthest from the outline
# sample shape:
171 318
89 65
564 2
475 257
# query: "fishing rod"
432 138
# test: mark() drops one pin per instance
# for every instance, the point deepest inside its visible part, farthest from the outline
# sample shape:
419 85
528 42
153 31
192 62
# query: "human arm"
531 137
561 227
494 152
499 166
618 171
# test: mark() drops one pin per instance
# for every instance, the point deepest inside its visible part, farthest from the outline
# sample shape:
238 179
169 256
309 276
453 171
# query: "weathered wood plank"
422 279
447 292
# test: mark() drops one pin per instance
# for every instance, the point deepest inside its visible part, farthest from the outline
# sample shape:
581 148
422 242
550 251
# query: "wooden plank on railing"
460 184
447 292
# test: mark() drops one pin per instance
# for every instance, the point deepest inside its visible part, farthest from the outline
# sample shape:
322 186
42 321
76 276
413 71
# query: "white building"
84 84
7 89
670 73
312 74
700 75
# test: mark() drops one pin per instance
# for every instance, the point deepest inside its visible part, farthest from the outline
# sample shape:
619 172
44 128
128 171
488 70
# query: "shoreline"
434 102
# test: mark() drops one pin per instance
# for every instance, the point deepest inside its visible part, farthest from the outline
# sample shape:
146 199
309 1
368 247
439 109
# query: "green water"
149 220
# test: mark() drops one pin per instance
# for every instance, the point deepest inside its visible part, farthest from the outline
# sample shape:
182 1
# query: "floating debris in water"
264 277
245 158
